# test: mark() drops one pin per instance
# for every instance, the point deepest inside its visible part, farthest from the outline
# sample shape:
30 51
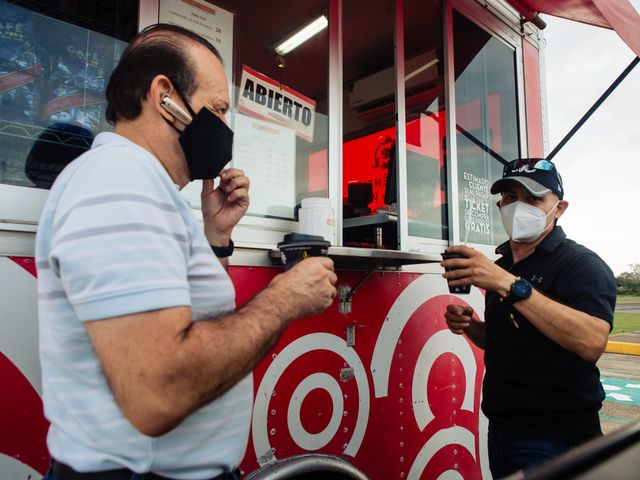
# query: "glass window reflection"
486 123
52 80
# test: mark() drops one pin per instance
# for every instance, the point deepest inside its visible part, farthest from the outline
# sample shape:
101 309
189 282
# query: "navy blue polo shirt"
533 387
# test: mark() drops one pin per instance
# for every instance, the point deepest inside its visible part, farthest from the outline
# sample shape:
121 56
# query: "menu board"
267 154
207 20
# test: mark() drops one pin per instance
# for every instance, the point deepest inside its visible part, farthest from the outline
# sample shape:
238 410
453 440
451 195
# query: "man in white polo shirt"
145 359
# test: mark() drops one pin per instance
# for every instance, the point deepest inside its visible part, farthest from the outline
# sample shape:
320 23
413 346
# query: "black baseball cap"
537 175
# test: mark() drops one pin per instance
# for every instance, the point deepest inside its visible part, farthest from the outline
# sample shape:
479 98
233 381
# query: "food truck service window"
277 60
376 125
486 115
55 61
425 124
369 126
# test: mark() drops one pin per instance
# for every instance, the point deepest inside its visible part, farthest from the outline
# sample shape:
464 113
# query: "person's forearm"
578 332
162 366
211 356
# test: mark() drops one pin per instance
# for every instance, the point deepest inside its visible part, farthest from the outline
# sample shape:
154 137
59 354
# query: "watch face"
521 289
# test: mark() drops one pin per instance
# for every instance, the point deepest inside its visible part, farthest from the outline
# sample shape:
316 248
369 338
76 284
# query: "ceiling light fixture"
302 35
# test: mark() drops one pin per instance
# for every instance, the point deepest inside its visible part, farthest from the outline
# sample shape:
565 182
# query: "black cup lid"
446 255
302 239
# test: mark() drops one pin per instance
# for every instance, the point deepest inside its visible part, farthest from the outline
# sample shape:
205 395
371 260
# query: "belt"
65 472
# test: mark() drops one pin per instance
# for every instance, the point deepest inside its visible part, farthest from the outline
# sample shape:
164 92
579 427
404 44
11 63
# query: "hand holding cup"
457 289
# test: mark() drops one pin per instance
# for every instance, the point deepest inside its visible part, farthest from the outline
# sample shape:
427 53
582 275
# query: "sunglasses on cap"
530 163
539 164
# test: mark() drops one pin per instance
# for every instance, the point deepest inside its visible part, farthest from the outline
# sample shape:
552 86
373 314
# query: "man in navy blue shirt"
548 313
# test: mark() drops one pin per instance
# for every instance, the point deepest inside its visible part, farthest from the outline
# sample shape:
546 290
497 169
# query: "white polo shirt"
117 238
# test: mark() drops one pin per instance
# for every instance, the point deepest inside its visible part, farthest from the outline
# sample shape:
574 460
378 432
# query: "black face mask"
207 143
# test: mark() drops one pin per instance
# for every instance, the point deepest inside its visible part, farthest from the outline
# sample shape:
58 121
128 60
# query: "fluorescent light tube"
302 35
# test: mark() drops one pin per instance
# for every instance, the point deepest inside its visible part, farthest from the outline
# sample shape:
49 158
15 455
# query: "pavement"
620 377
628 308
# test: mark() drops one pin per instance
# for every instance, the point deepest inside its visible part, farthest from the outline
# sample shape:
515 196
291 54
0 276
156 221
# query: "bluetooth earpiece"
174 109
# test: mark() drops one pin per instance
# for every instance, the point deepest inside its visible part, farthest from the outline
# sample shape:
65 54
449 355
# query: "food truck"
400 113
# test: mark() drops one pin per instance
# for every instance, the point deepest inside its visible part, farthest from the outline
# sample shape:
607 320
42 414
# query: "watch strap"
223 252
508 298
521 289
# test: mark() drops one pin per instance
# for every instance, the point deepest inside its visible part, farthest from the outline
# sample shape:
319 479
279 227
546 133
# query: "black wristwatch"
520 290
223 252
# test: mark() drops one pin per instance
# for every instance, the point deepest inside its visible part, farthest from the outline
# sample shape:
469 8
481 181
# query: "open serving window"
433 107
394 182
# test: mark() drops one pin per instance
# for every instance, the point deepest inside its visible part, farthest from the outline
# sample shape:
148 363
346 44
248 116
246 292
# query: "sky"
600 166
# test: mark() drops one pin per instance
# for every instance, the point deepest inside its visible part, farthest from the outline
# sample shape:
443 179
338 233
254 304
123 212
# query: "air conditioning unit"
374 95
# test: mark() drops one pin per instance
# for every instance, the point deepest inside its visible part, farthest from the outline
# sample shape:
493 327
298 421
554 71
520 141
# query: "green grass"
626 322
628 299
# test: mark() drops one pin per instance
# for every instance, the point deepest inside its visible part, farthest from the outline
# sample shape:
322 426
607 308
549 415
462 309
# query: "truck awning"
618 15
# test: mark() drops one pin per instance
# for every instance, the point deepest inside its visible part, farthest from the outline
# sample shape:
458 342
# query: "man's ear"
160 85
561 208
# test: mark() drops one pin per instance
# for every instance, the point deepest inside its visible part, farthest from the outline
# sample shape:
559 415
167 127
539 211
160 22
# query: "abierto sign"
263 97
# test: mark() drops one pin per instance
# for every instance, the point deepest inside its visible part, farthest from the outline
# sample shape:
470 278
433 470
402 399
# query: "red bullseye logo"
428 378
411 411
314 395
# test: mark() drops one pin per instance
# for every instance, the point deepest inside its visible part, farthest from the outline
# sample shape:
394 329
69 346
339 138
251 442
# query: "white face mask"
524 222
